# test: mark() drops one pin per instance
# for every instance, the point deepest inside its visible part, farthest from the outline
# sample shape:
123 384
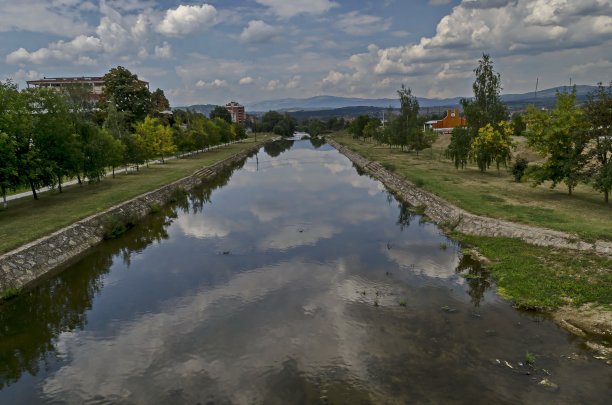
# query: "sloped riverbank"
581 320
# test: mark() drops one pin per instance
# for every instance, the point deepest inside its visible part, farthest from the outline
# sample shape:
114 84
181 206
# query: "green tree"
8 165
239 131
486 106
561 137
225 129
459 148
221 112
518 124
166 143
358 125
154 139
212 131
131 95
270 120
372 129
492 145
159 102
598 112
424 139
411 131
57 142
15 124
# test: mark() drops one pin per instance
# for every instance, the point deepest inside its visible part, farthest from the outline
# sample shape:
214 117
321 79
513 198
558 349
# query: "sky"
252 50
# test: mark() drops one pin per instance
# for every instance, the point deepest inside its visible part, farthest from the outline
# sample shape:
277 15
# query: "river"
291 278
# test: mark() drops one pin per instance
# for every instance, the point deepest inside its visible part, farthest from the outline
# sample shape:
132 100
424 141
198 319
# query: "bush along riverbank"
23 266
535 268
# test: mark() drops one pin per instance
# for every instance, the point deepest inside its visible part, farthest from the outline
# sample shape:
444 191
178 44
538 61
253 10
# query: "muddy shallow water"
290 279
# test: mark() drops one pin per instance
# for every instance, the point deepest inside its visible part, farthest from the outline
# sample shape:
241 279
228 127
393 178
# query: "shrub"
389 166
8 294
113 227
518 168
419 182
154 208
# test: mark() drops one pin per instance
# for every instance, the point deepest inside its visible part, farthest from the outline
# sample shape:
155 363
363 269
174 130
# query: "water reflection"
476 276
288 279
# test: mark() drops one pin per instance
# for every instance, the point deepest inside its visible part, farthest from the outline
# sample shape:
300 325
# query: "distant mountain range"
328 106
544 97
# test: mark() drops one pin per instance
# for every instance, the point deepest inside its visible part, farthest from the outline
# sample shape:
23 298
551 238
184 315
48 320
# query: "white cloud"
187 19
57 18
290 8
258 32
294 82
58 51
273 85
441 65
246 80
215 83
519 27
355 23
163 52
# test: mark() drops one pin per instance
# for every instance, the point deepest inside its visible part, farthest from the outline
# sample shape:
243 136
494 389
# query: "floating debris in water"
548 385
448 309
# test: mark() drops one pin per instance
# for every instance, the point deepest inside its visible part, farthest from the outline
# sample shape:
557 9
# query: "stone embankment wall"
449 215
28 263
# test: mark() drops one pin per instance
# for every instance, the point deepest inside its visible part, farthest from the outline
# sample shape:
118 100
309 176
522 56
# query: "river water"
289 279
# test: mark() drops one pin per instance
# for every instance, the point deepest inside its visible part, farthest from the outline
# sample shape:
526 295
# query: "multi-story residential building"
95 84
237 112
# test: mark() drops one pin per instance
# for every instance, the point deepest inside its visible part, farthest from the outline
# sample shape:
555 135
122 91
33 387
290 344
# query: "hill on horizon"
544 97
338 105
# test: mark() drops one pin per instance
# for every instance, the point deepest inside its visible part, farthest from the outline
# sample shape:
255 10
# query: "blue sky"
251 50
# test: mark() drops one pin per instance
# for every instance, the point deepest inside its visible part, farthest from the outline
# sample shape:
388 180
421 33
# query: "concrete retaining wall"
26 264
449 215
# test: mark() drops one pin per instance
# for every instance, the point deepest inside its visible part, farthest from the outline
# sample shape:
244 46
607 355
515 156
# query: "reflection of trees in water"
405 215
274 149
30 324
317 141
200 196
476 277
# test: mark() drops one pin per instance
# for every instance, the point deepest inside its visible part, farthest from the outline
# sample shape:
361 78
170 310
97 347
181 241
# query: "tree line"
47 136
574 140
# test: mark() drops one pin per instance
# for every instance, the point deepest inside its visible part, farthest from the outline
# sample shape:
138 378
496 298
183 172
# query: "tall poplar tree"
486 107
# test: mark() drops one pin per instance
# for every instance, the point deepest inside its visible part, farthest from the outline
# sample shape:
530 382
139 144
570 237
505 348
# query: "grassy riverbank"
532 277
495 194
26 219
544 278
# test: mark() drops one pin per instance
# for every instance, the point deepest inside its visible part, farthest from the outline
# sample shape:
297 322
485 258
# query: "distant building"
446 124
237 112
95 84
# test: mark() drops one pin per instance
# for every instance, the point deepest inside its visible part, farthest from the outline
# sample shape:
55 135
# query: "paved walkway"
73 182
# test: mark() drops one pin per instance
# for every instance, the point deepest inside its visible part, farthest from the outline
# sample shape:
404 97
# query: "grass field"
26 219
495 194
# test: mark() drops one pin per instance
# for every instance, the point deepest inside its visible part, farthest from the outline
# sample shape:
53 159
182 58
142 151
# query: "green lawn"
495 194
536 277
26 219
